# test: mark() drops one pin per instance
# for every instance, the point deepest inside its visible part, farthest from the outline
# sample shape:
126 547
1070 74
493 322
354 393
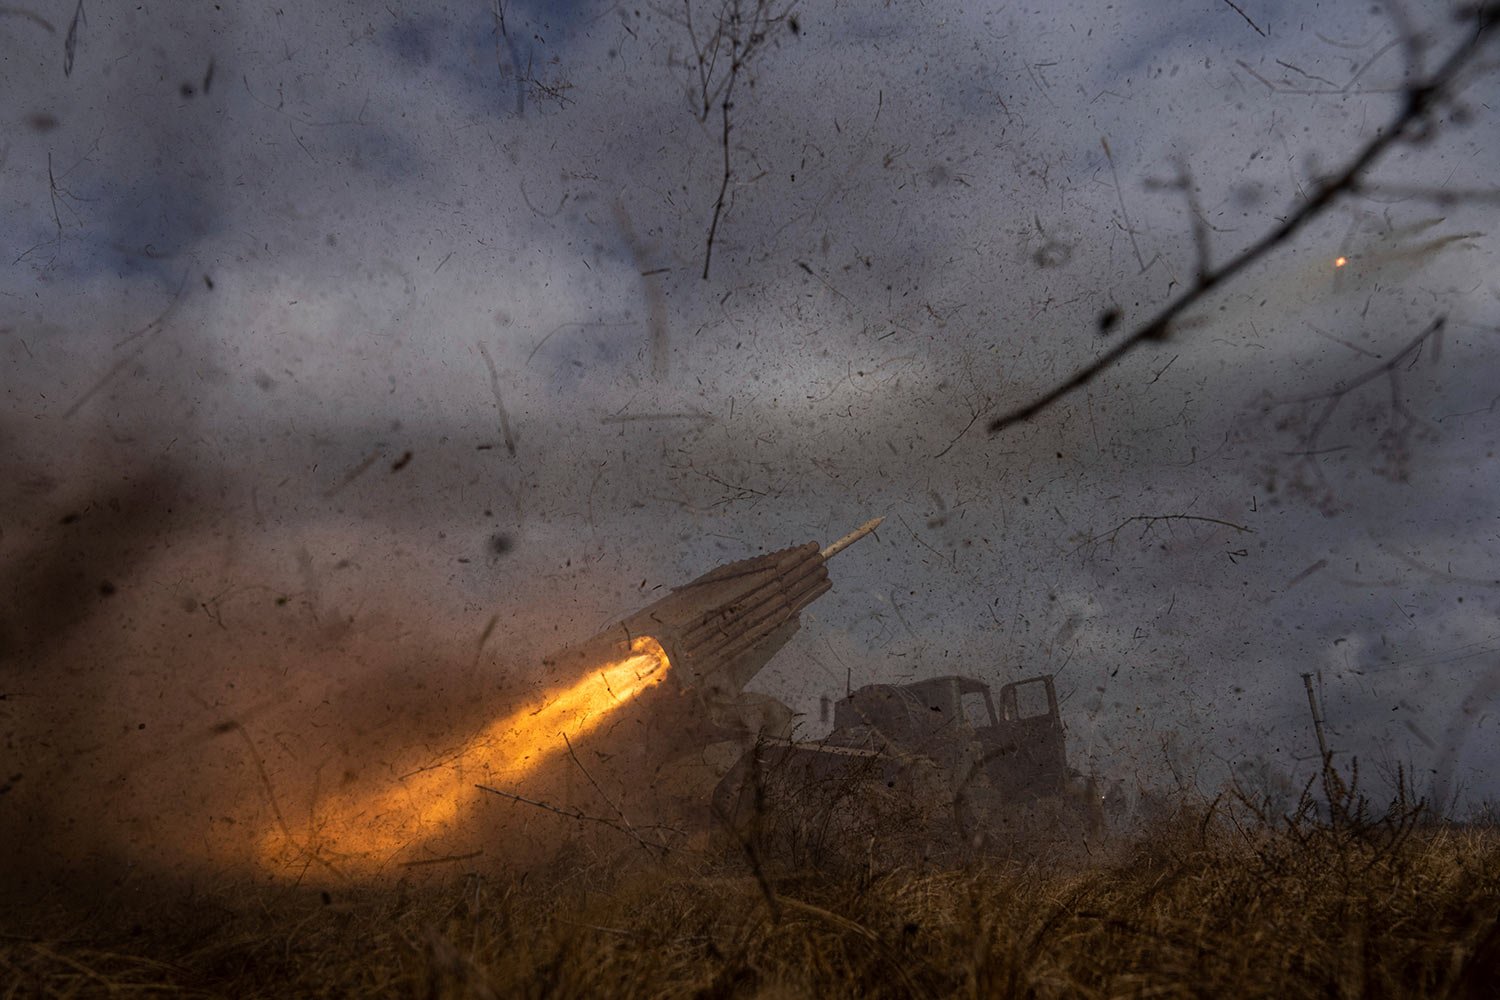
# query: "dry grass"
1204 903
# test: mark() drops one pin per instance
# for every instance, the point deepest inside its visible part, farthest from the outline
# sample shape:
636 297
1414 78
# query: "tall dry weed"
1211 900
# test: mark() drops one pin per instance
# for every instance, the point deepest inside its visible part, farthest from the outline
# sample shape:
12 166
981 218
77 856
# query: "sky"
356 357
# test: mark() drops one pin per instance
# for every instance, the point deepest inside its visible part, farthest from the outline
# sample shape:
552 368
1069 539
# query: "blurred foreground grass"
1200 904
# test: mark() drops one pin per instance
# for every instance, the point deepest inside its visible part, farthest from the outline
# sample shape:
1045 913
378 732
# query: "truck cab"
1019 734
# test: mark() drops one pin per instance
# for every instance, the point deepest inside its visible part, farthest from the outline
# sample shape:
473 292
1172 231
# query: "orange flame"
1340 262
365 833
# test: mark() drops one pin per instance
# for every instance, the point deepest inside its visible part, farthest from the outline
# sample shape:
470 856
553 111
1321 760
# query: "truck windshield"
1031 700
977 710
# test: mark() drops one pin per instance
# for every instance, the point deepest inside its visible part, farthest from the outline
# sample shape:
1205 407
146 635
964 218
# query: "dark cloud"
491 58
152 222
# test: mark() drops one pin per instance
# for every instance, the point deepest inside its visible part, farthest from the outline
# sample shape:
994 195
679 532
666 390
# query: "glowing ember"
365 833
1341 262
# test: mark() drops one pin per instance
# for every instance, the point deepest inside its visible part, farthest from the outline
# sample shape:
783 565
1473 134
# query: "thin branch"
1199 221
629 828
1395 193
773 903
567 813
1421 99
1151 520
70 44
502 33
739 38
978 412
446 859
924 544
1241 13
148 333
1388 368
29 15
713 227
1385 367
1285 87
1120 196
1304 73
510 441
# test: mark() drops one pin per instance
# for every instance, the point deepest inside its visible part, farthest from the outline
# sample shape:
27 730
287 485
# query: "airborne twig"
1150 520
570 813
1241 13
29 15
70 44
916 538
629 828
510 440
1125 215
977 411
148 333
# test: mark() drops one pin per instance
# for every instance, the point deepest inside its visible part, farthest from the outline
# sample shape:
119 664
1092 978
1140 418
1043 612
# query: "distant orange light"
364 833
1341 262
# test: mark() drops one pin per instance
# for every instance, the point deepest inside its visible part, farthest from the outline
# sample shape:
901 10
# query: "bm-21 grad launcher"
659 755
649 728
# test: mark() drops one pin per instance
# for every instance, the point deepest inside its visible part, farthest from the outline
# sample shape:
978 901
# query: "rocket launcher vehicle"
716 633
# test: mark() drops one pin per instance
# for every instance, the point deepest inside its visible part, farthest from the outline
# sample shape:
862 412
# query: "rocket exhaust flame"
363 834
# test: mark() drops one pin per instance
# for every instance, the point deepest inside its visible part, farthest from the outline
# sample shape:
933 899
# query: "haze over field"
357 357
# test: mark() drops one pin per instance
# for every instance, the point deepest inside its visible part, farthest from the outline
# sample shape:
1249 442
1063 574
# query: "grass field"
1206 902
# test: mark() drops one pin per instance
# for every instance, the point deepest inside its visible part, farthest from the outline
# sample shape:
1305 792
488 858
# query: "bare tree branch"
1394 440
741 30
1422 98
